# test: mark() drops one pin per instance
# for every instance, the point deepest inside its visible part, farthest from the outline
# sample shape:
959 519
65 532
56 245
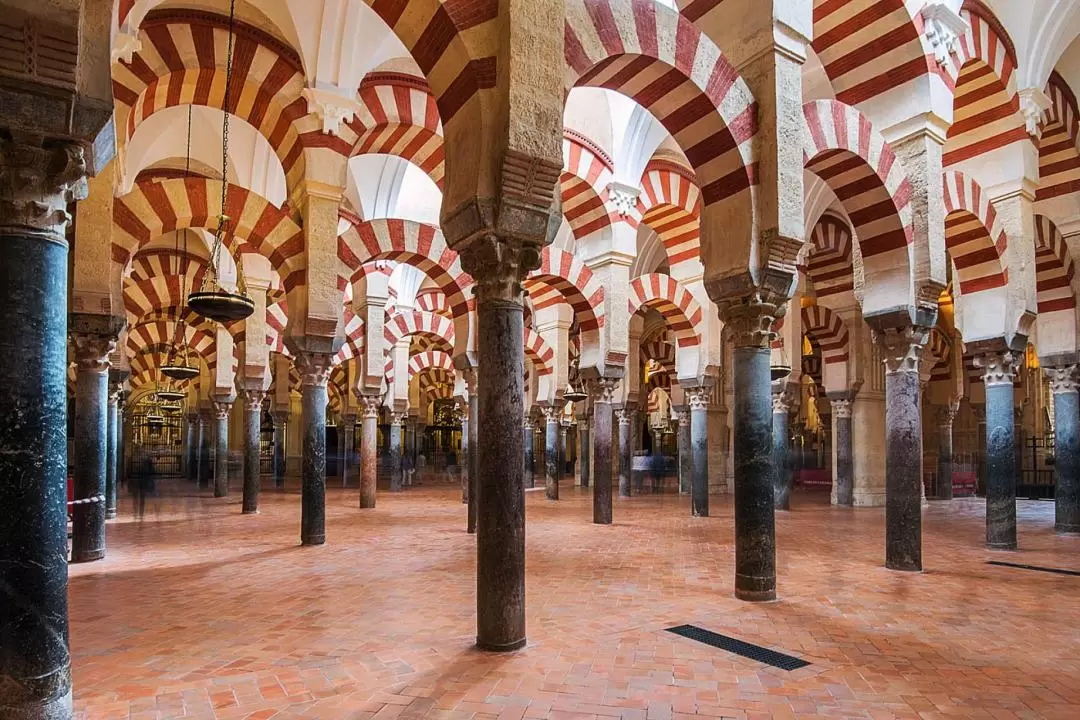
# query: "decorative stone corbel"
943 26
332 108
125 44
1033 104
623 198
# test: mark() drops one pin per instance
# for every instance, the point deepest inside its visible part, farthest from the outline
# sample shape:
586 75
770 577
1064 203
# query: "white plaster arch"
387 186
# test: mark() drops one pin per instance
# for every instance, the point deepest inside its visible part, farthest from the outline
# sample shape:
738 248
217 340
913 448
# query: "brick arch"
539 352
854 160
828 266
430 359
406 323
164 332
437 384
939 349
828 332
156 207
670 204
974 237
1054 269
674 303
142 297
660 59
587 173
563 277
433 300
182 62
355 339
162 262
1059 161
662 352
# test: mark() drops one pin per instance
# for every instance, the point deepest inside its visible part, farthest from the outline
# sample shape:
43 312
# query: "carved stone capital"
943 26
752 318
528 423
603 389
498 265
551 413
349 419
222 408
280 416
841 407
901 347
625 416
784 400
332 108
698 397
680 415
314 368
946 414
999 367
1063 379
36 185
116 393
399 418
1033 105
369 406
94 338
253 399
623 198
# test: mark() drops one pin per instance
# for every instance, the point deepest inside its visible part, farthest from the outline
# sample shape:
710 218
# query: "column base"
85 557
110 515
57 709
755 595
1064 529
903 567
249 512
508 647
316 540
1001 546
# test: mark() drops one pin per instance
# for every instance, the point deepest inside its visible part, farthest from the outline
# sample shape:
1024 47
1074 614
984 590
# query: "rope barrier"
95 500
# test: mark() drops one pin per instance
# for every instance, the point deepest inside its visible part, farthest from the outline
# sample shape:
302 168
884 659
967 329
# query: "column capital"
752 318
36 185
1063 379
698 397
314 368
280 416
222 408
369 405
783 399
399 417
94 338
349 418
253 399
602 389
528 423
116 392
552 413
625 416
498 265
841 407
999 367
946 413
901 347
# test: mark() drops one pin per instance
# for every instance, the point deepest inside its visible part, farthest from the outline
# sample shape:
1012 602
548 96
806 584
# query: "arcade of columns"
436 200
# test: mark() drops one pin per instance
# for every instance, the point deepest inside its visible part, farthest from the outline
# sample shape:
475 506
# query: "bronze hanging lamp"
213 301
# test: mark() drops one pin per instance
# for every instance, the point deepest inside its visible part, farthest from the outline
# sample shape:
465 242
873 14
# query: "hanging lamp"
213 301
574 392
169 394
779 363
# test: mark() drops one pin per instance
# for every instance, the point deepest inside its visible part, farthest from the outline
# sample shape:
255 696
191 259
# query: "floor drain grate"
1057 571
747 650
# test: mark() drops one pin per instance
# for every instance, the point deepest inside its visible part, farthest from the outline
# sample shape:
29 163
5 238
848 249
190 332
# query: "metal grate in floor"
739 647
1058 571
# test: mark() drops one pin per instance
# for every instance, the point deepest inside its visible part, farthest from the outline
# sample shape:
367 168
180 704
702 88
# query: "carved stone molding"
999 367
37 184
1033 105
94 339
901 347
498 266
623 198
1063 379
603 389
314 368
943 27
332 108
698 397
399 418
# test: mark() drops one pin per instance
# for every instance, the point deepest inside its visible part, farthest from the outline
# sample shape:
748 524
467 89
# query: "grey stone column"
584 451
682 417
36 185
603 393
94 337
625 417
528 427
111 477
783 399
946 414
498 266
396 419
843 472
205 451
369 451
551 453
901 348
314 369
222 407
473 457
1064 385
462 415
698 400
253 400
281 419
564 451
191 447
348 429
999 371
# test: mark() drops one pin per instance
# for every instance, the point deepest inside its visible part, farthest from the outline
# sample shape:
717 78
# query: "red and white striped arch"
867 47
1054 269
674 303
182 62
355 337
827 331
587 173
143 297
539 352
562 277
974 237
417 322
670 204
829 269
663 61
437 384
986 108
844 150
430 359
277 318
939 352
1059 159
156 207
161 262
660 351
165 332
400 117
433 300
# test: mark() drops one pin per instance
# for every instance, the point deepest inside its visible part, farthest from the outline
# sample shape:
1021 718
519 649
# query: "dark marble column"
843 472
348 431
584 450
625 417
396 419
369 451
603 393
472 458
783 399
498 269
946 414
698 400
999 371
1063 383
528 427
564 451
314 369
93 337
461 412
111 438
35 667
222 407
281 419
191 447
551 453
205 451
901 349
253 400
682 417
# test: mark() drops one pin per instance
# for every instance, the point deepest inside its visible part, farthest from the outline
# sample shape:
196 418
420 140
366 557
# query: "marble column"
348 431
783 398
682 417
191 447
205 454
999 371
901 350
462 415
93 337
112 433
222 408
281 419
528 426
625 417
369 451
396 419
253 400
564 451
749 322
551 453
584 451
843 471
473 456
1064 385
698 400
946 414
314 370
603 393
35 670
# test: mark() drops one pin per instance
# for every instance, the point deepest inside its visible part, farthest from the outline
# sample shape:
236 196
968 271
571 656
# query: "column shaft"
584 451
91 423
463 468
191 448
903 471
110 456
313 478
473 457
221 453
252 461
755 530
369 457
551 456
280 420
844 475
685 452
527 440
1000 468
945 451
395 455
781 457
603 417
204 452
349 429
1067 458
699 453
626 458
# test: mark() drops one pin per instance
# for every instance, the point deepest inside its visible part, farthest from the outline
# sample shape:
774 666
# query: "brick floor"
200 612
